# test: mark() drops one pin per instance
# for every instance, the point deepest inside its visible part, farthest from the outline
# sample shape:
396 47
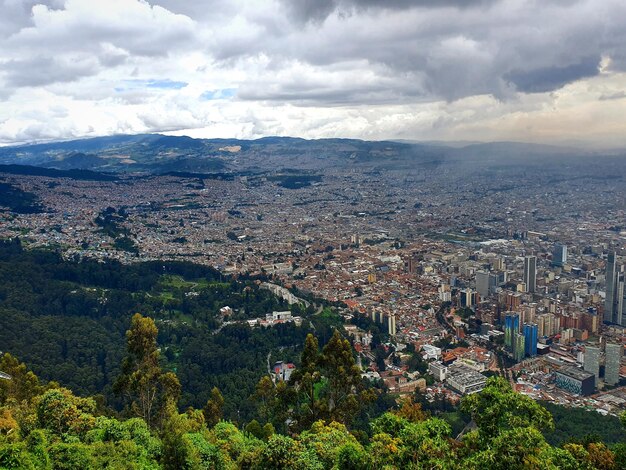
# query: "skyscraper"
530 273
519 347
611 285
530 339
591 362
559 255
614 303
511 326
486 283
614 354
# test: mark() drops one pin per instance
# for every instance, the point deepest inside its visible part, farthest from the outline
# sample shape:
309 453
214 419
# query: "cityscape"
530 285
312 235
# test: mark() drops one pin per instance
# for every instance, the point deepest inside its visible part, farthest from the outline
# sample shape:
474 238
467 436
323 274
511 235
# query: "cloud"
359 68
319 10
551 78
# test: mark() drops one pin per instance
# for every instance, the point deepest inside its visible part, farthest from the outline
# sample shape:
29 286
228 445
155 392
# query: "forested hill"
67 319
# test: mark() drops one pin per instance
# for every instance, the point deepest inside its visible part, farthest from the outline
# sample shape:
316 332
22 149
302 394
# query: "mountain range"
159 154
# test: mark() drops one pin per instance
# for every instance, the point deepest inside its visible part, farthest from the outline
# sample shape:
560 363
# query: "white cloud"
548 70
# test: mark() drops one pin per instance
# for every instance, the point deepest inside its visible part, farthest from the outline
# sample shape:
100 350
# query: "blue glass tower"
511 326
530 339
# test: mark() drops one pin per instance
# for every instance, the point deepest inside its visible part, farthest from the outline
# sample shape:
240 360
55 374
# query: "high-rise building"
512 300
614 354
530 273
591 362
519 347
486 283
559 255
611 285
614 303
620 293
511 326
530 339
548 324
468 298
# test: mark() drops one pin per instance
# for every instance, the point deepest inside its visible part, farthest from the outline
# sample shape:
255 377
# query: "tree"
147 389
338 366
304 380
264 396
214 407
60 412
498 408
23 384
411 410
509 426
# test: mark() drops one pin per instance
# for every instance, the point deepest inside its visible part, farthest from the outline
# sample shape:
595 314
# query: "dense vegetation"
66 319
48 427
579 425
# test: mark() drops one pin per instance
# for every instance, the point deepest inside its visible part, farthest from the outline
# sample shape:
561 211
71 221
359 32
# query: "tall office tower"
511 326
530 339
611 287
467 298
486 283
620 301
614 354
559 255
519 348
530 273
591 362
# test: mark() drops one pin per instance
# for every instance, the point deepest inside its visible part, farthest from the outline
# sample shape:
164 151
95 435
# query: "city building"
591 362
574 380
511 326
530 339
530 273
519 347
431 352
614 304
281 372
464 380
438 371
486 283
469 298
559 255
613 353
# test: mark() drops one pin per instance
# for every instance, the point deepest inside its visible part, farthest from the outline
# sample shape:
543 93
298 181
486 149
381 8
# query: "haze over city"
549 71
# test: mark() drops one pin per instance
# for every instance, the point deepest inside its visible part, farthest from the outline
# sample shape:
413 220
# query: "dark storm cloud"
550 78
37 71
319 10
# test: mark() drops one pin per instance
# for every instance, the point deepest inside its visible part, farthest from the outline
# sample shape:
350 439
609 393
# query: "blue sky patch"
220 94
166 84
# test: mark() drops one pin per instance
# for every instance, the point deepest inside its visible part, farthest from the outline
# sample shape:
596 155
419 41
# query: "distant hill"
158 154
75 174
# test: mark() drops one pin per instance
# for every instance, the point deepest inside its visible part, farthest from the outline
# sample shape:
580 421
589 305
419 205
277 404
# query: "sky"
543 71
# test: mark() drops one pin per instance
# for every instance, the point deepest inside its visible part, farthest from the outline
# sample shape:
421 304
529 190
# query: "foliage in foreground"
44 426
